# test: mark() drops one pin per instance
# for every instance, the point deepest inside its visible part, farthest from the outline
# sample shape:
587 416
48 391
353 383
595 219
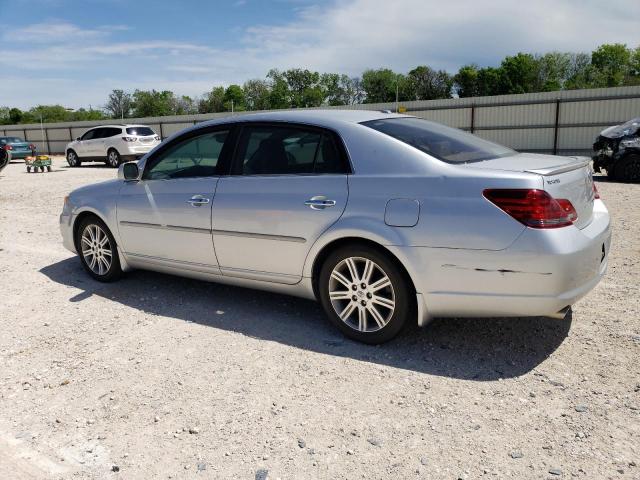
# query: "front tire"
72 159
628 169
113 158
364 293
98 250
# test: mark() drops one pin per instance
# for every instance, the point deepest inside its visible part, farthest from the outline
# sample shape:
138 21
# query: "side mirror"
77 139
128 171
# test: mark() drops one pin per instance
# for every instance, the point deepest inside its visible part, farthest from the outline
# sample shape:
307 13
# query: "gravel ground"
161 377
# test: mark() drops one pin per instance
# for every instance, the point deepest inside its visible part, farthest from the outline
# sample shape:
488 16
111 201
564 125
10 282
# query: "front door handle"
319 202
198 201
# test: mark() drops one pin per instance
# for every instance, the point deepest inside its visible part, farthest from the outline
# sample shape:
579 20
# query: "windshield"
140 131
444 143
11 140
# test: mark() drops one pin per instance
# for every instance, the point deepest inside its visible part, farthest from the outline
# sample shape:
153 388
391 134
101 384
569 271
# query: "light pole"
397 89
42 132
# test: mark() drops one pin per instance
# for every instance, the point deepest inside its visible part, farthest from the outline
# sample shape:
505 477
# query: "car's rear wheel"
364 294
628 169
113 158
98 250
72 159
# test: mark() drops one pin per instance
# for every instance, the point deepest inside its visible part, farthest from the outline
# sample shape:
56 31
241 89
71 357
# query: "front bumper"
66 230
541 273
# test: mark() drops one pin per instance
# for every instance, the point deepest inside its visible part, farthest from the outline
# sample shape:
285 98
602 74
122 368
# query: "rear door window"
286 150
90 135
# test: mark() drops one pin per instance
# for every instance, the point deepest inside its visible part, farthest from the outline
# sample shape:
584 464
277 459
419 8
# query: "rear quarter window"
444 143
140 131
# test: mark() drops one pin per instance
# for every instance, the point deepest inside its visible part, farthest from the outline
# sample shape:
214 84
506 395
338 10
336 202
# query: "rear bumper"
13 155
542 272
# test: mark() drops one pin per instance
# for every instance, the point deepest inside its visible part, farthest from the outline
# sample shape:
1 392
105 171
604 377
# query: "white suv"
111 144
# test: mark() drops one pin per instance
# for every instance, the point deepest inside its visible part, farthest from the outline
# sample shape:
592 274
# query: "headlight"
630 143
66 206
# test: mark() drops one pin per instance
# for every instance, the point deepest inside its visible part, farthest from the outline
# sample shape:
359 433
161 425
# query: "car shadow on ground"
470 349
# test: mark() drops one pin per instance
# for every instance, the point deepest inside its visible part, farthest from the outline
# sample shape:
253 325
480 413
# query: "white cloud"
346 36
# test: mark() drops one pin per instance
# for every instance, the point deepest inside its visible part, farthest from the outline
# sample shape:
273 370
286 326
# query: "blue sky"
75 52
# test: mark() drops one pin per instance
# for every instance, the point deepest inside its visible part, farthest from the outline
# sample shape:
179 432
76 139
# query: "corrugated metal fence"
563 123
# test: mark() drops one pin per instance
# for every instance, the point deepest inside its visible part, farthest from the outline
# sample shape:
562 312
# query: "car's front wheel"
72 159
113 158
98 250
364 294
628 169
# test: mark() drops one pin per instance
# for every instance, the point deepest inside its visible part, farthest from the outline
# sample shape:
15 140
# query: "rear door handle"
198 201
319 202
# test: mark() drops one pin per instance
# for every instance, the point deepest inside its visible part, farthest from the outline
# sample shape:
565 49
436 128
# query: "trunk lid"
20 146
563 177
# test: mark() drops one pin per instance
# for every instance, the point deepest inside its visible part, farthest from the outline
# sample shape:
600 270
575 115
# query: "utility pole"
232 106
41 131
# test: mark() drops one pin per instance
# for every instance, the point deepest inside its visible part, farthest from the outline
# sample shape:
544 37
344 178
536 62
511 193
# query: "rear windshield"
10 140
140 131
444 143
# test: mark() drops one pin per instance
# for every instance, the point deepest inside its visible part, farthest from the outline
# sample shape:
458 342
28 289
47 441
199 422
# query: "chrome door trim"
263 236
125 223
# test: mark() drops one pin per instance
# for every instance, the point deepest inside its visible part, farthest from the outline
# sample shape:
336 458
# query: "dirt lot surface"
161 377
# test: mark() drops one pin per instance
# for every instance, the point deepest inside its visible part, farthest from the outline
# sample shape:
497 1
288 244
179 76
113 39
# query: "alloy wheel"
96 249
113 158
362 294
72 159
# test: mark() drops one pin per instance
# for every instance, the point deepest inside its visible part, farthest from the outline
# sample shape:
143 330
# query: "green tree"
633 77
256 94
612 63
119 104
490 82
520 73
304 87
466 81
184 105
554 69
279 95
152 103
428 84
581 72
380 85
234 96
15 116
85 115
212 102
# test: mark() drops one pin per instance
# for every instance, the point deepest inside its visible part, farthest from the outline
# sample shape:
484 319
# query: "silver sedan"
385 219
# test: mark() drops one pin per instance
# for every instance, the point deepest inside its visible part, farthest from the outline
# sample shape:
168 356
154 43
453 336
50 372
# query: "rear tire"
628 169
364 294
72 159
113 158
98 250
48 168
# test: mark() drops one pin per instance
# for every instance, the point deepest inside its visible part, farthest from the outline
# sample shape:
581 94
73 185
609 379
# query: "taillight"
596 194
129 139
7 147
534 208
